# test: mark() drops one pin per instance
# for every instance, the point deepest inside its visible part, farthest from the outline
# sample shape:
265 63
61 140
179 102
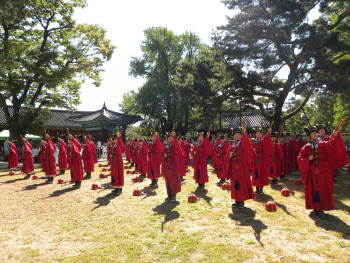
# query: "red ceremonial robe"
88 158
214 155
75 163
221 152
264 150
238 169
42 156
117 167
28 162
172 172
277 158
154 151
62 157
316 173
94 152
203 151
69 155
136 158
50 161
12 157
186 150
293 154
143 165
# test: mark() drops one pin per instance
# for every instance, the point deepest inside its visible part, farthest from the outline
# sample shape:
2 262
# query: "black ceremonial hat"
310 129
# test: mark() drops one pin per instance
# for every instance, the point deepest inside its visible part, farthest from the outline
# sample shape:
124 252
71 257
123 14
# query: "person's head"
169 137
81 138
222 138
273 136
115 138
321 129
154 137
257 132
237 134
180 139
287 135
311 132
200 136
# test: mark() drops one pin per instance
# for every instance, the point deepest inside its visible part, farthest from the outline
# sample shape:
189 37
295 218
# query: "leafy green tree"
265 36
158 100
45 56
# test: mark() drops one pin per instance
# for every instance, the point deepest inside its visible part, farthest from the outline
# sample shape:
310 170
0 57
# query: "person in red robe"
182 161
200 154
214 144
293 154
28 161
93 149
322 136
221 151
12 156
142 158
75 161
170 157
117 167
42 153
128 151
281 165
155 149
186 150
264 150
62 156
136 155
276 159
237 161
316 171
50 161
87 155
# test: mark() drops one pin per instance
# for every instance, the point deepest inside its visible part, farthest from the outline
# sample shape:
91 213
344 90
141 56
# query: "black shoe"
321 213
49 180
120 190
261 190
173 198
241 205
77 184
155 183
115 191
257 191
88 175
168 198
235 205
222 180
314 212
27 176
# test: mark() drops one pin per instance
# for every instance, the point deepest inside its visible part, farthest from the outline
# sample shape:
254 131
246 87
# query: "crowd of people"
246 160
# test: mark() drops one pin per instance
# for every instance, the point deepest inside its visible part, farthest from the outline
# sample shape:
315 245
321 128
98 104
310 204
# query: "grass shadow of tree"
166 209
332 223
104 200
203 194
61 192
150 191
246 217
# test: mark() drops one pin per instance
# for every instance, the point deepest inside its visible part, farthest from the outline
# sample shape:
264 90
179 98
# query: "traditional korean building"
100 123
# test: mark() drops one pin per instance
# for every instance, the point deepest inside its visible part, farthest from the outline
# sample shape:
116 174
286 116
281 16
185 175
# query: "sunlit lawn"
55 223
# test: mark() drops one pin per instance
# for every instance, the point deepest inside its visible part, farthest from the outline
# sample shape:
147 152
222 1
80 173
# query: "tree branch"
37 93
341 17
301 106
340 56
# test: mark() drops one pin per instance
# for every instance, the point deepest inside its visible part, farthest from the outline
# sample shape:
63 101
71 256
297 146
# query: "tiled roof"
229 121
105 114
67 119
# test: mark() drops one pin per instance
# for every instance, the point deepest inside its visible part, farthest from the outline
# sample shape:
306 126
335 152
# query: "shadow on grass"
104 200
166 209
61 192
332 223
32 187
203 194
15 180
246 217
149 191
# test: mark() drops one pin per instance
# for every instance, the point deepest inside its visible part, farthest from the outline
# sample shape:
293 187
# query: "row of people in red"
69 157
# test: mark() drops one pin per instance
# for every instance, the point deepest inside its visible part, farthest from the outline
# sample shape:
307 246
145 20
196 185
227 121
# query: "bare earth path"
54 223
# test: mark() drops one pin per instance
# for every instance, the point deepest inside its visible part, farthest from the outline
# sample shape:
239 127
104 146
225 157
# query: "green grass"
52 223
